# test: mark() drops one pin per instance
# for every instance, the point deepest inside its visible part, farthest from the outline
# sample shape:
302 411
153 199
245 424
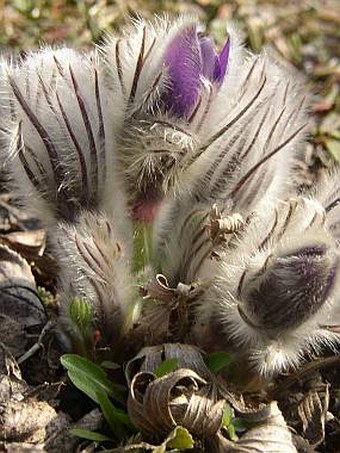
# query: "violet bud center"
189 58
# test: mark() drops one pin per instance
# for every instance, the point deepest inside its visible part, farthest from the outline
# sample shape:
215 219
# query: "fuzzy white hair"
251 133
94 264
235 138
275 335
58 127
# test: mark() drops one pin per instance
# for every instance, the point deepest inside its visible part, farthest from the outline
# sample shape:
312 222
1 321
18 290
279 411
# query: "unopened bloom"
190 58
60 146
94 265
274 289
190 117
163 73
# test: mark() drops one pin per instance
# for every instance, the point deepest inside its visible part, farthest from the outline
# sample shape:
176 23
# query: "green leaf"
228 422
166 367
180 438
81 314
89 435
112 415
232 433
89 377
218 360
228 414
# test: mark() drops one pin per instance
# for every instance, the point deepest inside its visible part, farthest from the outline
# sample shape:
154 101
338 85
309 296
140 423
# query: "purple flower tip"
184 64
221 62
189 57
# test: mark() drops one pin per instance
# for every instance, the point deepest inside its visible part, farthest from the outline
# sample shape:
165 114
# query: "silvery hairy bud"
276 290
94 265
58 126
220 122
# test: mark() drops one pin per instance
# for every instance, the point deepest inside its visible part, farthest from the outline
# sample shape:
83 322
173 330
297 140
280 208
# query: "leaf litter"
304 35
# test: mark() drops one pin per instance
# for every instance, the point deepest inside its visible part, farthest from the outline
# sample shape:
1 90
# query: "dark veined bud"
293 288
94 279
57 134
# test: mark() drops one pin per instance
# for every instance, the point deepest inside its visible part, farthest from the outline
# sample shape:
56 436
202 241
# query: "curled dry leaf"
169 318
30 244
150 358
18 297
312 411
269 433
158 405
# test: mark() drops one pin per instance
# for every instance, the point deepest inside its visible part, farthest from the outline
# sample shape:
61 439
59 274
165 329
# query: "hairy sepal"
60 144
94 264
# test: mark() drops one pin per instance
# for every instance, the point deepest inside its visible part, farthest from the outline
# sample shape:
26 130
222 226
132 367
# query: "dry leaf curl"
158 405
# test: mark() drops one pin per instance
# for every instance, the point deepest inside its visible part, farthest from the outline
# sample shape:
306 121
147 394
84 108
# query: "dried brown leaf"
27 243
149 359
269 434
25 420
158 405
312 411
18 296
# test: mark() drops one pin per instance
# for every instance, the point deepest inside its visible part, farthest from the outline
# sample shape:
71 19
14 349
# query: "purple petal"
221 63
184 63
209 57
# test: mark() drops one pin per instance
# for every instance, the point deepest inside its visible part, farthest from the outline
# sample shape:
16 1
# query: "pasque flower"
190 59
175 69
159 117
186 114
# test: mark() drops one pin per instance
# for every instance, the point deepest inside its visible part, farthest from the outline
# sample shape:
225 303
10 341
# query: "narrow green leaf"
85 385
228 422
111 414
180 438
166 367
232 433
89 435
81 314
89 377
228 413
218 360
